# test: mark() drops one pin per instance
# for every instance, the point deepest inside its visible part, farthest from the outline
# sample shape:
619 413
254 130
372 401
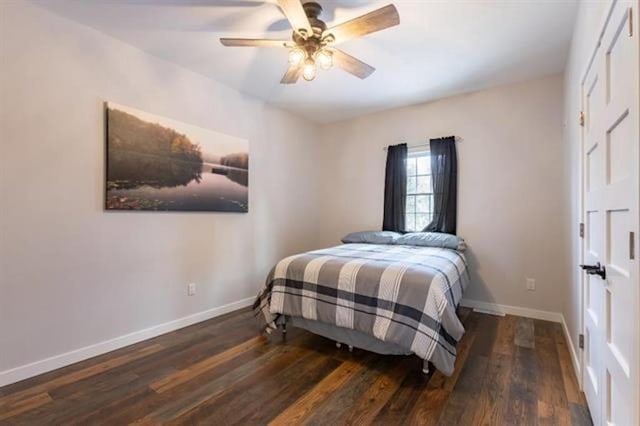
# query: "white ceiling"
439 49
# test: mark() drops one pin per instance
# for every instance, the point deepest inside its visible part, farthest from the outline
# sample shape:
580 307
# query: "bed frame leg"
425 366
339 345
284 331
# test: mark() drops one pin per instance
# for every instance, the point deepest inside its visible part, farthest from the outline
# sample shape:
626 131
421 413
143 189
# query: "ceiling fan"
312 43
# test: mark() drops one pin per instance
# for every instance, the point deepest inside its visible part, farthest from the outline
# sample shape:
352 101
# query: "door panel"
618 54
619 201
618 224
594 237
618 147
593 291
610 199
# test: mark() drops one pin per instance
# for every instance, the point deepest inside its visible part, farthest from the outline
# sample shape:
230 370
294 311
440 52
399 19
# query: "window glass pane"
422 220
424 165
411 204
411 166
422 204
424 184
418 208
410 222
411 185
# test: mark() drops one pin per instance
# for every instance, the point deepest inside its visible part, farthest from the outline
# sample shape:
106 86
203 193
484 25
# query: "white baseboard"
48 364
575 360
496 309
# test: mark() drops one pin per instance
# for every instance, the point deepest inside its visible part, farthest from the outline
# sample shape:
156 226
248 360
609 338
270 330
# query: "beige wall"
72 275
511 206
588 25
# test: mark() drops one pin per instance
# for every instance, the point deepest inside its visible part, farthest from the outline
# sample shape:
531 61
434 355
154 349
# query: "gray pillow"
372 237
432 239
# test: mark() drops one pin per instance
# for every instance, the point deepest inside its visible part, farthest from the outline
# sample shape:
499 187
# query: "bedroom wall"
73 275
588 25
511 195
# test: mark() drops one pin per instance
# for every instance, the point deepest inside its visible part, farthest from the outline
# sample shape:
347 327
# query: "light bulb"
325 59
296 56
309 69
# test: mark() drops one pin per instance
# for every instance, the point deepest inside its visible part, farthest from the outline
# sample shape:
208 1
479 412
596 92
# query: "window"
419 191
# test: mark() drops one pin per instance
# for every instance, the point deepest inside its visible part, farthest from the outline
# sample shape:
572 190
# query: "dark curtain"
444 175
395 188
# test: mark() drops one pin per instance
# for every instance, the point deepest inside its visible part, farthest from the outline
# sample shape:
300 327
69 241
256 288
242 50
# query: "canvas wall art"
155 163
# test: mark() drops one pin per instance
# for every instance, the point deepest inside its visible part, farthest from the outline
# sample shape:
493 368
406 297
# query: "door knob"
596 269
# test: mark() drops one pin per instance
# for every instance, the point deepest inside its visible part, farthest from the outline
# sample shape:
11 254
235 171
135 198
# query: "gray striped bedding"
400 294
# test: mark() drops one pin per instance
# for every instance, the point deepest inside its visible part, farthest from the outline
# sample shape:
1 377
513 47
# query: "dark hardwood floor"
510 371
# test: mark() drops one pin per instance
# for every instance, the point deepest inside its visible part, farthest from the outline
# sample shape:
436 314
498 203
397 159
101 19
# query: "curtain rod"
418 145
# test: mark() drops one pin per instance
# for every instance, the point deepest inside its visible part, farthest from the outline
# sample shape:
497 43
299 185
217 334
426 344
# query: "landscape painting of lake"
155 163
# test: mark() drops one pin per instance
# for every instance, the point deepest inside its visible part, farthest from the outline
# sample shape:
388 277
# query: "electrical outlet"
191 289
531 284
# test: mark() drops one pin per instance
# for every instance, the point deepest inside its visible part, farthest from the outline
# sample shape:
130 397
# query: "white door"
610 202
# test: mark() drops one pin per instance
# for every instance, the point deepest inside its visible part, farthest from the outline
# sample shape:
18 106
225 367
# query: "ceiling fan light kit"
324 58
296 56
312 44
309 70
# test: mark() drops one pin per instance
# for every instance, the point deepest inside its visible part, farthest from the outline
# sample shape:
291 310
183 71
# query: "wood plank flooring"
509 371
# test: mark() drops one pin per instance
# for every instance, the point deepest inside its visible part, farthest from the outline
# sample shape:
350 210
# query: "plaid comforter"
405 295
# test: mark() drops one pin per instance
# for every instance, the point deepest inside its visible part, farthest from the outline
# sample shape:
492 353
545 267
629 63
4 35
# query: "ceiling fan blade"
351 65
296 15
254 42
377 20
292 75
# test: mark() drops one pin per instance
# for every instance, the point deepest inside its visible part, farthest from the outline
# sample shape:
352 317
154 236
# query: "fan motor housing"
313 11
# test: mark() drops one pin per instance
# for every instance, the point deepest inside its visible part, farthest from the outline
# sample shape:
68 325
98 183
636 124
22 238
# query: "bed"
391 298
